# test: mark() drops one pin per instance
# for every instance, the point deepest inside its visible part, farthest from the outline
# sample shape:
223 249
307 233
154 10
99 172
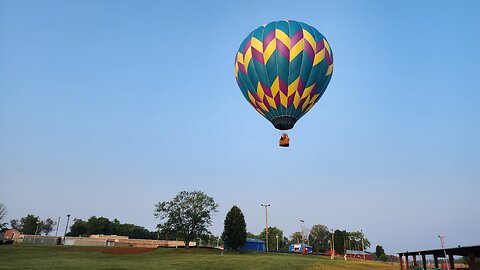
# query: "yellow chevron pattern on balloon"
283 68
283 37
269 50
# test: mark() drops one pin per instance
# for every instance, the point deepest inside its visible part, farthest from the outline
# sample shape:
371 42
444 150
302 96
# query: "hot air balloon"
283 69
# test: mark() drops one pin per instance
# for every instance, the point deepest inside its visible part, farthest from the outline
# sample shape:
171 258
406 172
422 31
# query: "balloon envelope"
282 69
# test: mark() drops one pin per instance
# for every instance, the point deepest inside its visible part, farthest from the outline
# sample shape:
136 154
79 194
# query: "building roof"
460 251
5 230
253 240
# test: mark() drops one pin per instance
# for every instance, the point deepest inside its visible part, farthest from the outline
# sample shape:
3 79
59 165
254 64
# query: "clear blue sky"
107 107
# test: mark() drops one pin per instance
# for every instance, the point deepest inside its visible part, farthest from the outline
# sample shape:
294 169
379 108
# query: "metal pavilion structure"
471 252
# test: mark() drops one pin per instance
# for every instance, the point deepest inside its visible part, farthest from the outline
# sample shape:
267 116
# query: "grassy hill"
59 257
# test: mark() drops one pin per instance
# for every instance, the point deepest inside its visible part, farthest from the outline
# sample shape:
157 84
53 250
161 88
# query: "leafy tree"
296 237
29 224
15 224
354 240
100 225
78 228
251 235
189 214
319 238
46 226
166 233
272 238
379 251
235 228
205 240
133 231
3 213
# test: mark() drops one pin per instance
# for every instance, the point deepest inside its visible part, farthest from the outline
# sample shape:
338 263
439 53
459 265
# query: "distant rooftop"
253 240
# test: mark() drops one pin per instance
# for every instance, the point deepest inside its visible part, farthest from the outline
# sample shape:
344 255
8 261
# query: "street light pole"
66 227
277 240
266 224
302 229
442 243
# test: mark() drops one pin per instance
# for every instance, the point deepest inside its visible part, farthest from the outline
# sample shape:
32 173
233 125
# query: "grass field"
59 257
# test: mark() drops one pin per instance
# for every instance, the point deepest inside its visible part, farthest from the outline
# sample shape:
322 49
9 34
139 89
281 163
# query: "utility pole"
363 246
66 227
333 245
442 243
58 223
266 224
36 230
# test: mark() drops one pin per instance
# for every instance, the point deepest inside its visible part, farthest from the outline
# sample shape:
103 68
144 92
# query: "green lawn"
59 257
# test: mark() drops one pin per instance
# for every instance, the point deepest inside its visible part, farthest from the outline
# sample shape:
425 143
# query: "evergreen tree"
339 240
235 229
379 251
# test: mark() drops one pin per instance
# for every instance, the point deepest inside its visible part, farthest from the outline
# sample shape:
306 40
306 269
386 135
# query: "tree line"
319 237
188 216
102 225
33 225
